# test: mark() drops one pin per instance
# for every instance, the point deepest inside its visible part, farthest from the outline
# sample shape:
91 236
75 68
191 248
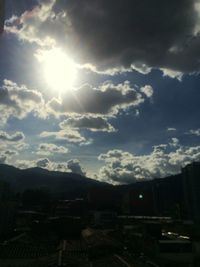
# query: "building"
99 243
25 251
191 188
158 197
7 218
169 197
104 198
2 2
140 199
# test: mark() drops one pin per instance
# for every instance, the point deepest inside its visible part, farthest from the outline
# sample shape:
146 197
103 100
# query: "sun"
60 71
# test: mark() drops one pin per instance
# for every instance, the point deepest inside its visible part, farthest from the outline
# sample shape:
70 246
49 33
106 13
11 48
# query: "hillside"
58 182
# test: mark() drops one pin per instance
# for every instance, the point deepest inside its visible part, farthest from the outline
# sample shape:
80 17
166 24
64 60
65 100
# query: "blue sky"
131 110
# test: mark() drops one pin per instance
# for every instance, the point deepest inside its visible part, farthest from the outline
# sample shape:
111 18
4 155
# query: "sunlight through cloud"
59 70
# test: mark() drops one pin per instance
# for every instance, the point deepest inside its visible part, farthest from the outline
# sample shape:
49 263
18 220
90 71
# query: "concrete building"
191 186
2 3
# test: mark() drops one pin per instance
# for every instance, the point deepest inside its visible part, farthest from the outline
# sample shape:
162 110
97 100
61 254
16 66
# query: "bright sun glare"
59 70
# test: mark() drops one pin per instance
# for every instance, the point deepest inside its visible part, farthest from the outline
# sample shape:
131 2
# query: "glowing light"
59 70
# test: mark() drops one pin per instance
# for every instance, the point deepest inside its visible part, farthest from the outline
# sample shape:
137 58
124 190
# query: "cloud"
51 149
42 163
169 129
18 101
75 167
32 25
124 167
72 165
107 99
172 73
67 134
88 108
174 142
10 153
5 155
152 33
10 144
112 34
92 123
194 132
16 137
147 90
21 146
3 159
25 164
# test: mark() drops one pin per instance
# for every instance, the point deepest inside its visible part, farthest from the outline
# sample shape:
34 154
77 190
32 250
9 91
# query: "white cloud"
15 137
174 142
32 26
172 74
50 149
171 129
141 68
124 167
68 134
194 132
21 146
72 165
147 90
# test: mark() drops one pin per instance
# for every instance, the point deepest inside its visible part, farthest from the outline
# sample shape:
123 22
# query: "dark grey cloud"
3 158
74 166
18 101
5 155
43 163
107 99
115 32
16 137
92 123
10 153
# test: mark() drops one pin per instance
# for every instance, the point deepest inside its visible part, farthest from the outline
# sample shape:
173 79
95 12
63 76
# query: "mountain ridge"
54 181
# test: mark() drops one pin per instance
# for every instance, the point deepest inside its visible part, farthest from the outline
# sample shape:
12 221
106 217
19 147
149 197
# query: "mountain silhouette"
54 181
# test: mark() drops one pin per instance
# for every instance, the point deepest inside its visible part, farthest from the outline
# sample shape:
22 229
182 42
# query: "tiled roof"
23 251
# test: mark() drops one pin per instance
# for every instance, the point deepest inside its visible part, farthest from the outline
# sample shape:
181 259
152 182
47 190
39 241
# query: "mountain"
54 181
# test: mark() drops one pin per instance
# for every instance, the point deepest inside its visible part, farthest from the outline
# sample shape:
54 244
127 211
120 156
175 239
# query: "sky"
106 89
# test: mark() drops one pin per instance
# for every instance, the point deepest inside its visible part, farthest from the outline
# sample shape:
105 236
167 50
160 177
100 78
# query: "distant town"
148 223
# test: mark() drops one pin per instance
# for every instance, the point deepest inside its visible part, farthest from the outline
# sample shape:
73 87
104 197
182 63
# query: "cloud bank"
124 167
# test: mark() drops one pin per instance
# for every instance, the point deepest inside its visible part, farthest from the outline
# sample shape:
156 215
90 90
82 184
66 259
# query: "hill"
54 181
